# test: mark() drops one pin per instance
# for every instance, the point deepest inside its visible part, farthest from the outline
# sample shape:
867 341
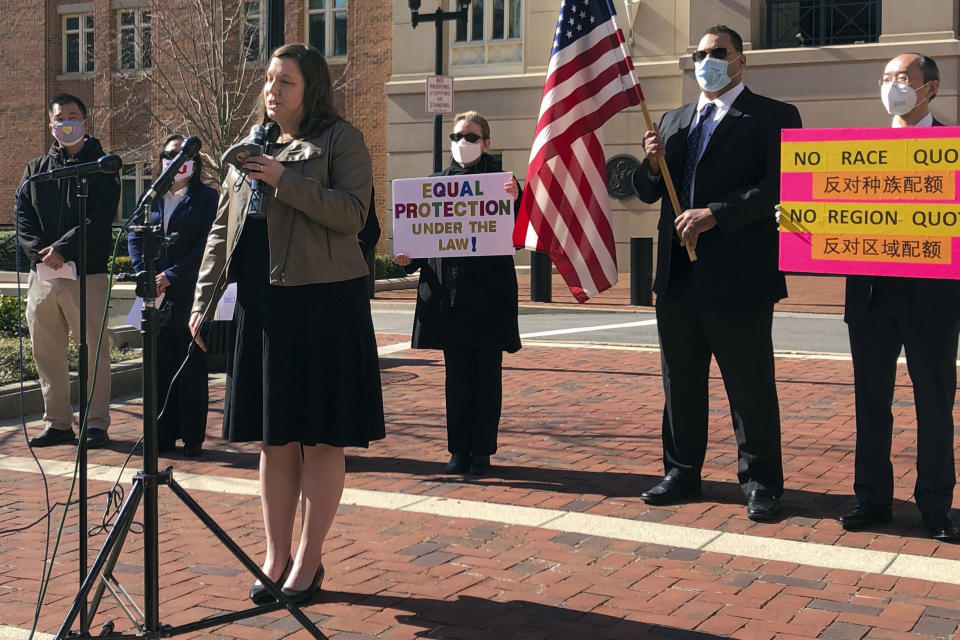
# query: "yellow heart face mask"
68 132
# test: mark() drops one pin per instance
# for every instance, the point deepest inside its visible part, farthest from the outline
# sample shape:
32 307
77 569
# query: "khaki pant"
53 311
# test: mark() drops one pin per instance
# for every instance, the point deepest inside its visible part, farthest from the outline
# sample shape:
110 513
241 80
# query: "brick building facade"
46 52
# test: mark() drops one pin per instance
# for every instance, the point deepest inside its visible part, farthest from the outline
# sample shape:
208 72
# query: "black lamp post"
438 18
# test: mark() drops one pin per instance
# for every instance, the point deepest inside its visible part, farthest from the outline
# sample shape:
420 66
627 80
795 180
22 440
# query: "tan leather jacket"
312 221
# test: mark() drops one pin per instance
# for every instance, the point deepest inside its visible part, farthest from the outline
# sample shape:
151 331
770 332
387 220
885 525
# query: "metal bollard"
641 271
541 269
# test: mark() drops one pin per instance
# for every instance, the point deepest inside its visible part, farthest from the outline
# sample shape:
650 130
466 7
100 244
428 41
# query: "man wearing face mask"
47 221
724 150
922 316
187 209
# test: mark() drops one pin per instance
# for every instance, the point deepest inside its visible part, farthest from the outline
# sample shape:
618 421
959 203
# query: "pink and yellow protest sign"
871 201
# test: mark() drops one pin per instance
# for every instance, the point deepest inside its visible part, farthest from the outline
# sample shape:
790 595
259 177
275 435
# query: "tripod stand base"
110 552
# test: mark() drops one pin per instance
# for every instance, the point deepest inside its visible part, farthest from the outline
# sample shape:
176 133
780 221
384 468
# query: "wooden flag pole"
671 191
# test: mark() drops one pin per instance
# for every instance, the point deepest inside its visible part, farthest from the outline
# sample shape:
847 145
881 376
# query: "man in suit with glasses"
724 150
922 317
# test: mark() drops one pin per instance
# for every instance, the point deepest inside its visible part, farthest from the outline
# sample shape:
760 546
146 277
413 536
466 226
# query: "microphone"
263 137
107 164
189 148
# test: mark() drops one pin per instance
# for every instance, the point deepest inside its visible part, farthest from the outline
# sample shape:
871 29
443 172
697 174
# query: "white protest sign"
453 216
227 303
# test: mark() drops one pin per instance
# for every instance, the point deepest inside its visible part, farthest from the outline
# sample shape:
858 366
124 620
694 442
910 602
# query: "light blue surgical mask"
712 74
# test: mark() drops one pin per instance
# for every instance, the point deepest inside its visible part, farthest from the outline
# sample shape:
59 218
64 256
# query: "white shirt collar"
925 121
723 102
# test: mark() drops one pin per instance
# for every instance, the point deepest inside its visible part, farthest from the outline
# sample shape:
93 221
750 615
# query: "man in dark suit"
724 150
885 314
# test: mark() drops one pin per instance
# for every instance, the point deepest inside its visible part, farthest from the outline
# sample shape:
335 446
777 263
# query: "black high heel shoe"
299 597
259 593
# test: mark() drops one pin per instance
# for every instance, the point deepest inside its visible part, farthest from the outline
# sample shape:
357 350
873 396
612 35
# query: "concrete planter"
125 378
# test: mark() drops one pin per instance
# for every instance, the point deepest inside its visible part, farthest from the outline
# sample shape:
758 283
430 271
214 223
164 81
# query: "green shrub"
387 268
122 264
11 316
122 247
10 360
8 253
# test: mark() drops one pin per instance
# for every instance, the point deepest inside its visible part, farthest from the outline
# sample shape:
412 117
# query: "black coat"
192 219
467 302
738 179
48 211
933 297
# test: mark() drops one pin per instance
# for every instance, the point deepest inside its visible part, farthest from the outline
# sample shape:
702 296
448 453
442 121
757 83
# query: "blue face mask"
712 74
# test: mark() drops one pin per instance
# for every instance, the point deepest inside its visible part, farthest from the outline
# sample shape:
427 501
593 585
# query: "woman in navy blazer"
187 209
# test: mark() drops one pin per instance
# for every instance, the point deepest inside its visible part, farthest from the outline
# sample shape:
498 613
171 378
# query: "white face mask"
898 98
466 152
186 169
712 74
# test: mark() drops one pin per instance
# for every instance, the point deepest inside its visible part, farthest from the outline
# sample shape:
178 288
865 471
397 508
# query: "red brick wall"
23 132
369 65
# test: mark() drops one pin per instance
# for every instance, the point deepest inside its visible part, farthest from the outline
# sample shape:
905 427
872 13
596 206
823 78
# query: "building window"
78 44
493 33
254 35
327 26
816 23
134 180
135 40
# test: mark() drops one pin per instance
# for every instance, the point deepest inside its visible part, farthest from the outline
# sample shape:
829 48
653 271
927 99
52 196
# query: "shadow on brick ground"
472 618
611 484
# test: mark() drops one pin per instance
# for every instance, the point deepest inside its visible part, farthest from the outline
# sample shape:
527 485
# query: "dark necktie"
690 161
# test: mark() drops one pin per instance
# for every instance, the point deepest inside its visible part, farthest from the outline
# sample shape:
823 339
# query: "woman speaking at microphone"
468 308
304 376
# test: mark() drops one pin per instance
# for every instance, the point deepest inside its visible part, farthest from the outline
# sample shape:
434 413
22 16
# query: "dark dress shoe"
479 465
259 593
668 491
192 450
865 515
299 597
459 463
940 526
50 436
96 438
762 505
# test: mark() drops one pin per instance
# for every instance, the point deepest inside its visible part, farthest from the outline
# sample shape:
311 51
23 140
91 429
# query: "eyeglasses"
471 137
901 77
719 53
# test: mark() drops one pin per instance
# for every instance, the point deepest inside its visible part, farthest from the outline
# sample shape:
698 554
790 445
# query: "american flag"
565 210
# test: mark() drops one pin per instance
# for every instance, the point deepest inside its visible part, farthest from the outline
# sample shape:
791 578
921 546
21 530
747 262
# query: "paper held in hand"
453 216
67 271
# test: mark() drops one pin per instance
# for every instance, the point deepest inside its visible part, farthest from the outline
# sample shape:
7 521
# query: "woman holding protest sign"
467 306
305 378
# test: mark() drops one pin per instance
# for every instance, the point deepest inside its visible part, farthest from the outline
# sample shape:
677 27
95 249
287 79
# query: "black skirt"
304 367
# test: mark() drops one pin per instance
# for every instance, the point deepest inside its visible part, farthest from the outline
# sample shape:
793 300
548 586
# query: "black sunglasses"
717 52
471 137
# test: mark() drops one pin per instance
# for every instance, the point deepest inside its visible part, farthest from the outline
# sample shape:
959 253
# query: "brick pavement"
580 435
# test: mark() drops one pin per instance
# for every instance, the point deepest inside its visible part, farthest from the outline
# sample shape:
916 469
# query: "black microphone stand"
145 484
82 193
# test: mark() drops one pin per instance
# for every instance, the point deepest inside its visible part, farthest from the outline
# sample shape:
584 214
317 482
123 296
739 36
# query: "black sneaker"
192 450
50 436
459 463
96 438
479 465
